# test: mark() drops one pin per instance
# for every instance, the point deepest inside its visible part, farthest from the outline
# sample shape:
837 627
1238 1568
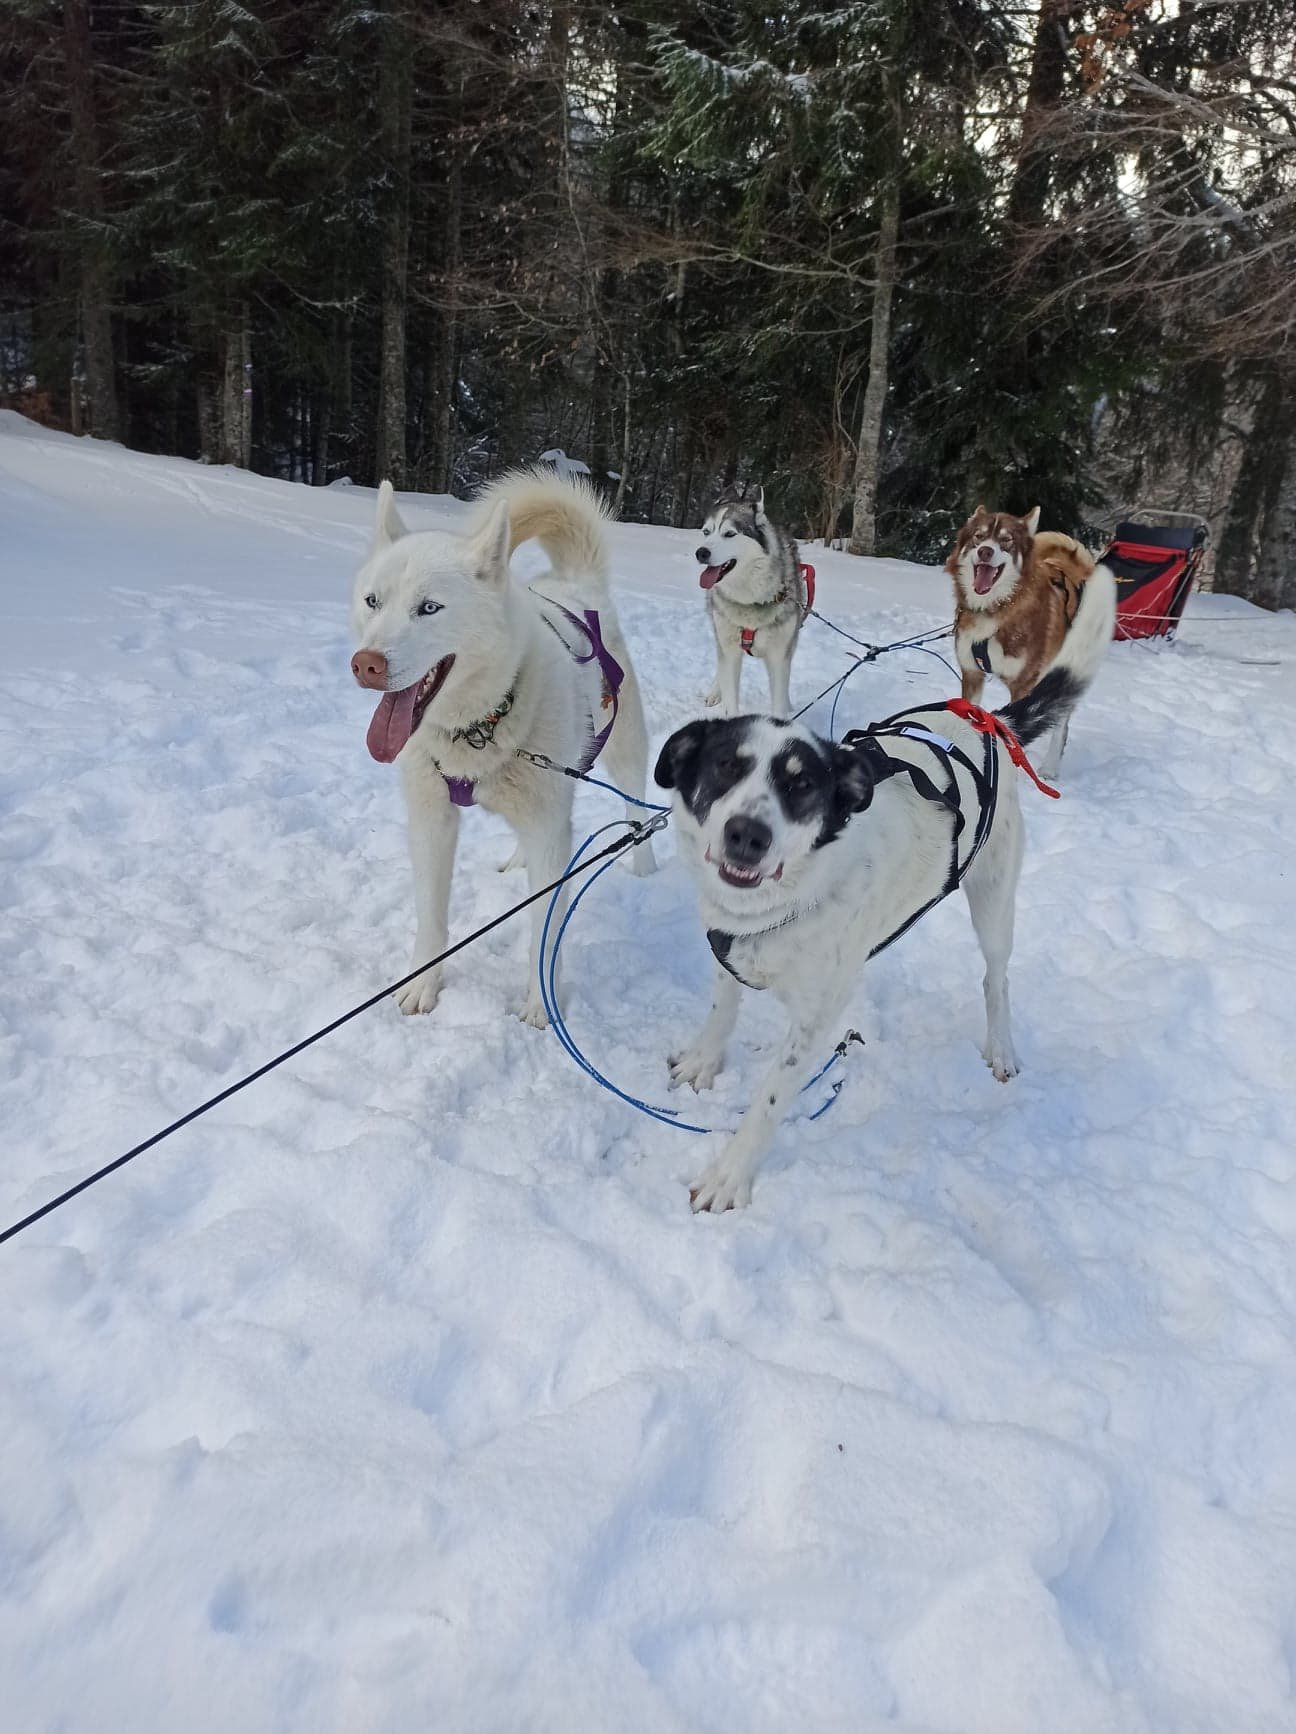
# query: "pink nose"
370 669
986 552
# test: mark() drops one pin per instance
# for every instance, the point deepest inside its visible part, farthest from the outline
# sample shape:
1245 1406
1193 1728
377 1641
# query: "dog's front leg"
779 667
727 1182
698 1065
973 685
546 845
728 680
433 835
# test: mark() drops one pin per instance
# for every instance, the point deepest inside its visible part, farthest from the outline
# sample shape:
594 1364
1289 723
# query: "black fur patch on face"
802 778
851 784
704 760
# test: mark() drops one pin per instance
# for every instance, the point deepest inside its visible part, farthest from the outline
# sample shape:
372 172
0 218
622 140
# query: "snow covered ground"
403 1392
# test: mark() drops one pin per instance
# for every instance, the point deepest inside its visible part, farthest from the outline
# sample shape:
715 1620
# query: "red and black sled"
1156 566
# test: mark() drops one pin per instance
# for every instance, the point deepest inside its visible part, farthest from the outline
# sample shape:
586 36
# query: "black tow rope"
635 834
985 780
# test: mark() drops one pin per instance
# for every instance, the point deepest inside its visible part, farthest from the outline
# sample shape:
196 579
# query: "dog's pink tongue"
392 723
710 577
983 578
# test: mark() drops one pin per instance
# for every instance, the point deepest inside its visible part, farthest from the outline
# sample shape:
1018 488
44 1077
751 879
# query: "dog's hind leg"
433 834
1051 762
991 891
625 759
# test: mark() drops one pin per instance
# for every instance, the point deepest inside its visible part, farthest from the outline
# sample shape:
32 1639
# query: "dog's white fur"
843 900
761 594
498 635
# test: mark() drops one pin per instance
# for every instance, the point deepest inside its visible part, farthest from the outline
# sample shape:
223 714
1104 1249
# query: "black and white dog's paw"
726 1185
696 1066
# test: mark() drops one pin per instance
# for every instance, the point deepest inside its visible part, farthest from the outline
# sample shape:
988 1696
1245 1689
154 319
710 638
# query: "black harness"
867 743
980 648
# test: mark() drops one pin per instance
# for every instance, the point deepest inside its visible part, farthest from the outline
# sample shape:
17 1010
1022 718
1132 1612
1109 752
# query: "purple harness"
461 788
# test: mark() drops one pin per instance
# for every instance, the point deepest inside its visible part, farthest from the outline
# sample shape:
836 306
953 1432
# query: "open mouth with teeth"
710 576
984 574
747 877
400 713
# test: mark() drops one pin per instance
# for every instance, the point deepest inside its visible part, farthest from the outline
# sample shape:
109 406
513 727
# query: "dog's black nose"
704 555
746 839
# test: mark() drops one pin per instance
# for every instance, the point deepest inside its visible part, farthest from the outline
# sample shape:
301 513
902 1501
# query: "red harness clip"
987 723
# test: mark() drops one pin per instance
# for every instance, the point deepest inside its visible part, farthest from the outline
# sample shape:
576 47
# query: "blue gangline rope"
549 998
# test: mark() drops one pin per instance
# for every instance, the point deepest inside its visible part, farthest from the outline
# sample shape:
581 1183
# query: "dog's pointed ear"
1031 520
491 545
676 766
980 511
388 525
852 778
758 500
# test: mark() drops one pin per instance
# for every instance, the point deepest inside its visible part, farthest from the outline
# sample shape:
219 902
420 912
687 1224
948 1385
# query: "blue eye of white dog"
371 601
428 607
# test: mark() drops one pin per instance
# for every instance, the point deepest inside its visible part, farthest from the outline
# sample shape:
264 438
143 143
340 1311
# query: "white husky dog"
475 669
756 597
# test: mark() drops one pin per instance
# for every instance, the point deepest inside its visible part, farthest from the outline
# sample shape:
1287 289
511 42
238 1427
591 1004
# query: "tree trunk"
1276 566
395 104
623 484
1255 505
445 356
868 451
321 415
95 273
207 392
1276 556
1027 199
236 393
684 475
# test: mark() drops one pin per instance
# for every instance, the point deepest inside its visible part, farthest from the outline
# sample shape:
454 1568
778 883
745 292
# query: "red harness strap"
987 723
808 579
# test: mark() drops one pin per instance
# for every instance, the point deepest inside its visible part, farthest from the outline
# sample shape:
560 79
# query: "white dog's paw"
712 697
533 1011
1001 1060
724 1186
695 1066
421 994
516 859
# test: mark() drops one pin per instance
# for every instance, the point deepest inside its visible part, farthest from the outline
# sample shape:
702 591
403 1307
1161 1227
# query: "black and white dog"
812 855
756 597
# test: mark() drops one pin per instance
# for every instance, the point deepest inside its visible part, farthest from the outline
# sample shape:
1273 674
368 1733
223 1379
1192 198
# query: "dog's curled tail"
566 515
1055 695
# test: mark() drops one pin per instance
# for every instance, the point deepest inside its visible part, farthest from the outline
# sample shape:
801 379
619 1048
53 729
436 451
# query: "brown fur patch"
1033 622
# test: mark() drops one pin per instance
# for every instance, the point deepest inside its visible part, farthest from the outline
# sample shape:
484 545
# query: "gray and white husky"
756 596
474 670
